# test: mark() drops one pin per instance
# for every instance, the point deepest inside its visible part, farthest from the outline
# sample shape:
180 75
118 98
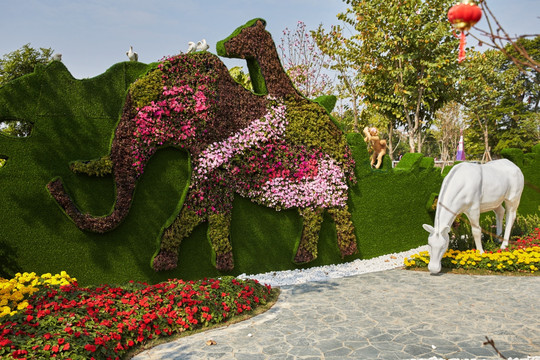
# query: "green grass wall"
75 120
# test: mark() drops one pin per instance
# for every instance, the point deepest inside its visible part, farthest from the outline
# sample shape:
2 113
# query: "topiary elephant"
272 146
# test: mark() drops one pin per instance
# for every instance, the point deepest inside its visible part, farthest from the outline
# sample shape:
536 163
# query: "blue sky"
92 35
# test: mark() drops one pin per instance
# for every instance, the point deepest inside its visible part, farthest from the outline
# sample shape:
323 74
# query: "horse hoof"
165 260
225 262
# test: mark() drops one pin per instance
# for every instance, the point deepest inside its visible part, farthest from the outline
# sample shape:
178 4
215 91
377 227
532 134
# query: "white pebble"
322 273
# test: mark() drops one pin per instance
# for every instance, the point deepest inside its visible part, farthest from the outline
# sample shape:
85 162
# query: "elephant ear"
428 228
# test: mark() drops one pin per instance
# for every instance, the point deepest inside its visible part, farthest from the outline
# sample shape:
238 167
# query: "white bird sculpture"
57 57
133 56
202 45
191 48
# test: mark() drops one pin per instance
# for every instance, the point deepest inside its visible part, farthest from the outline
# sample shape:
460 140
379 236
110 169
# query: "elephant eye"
17 128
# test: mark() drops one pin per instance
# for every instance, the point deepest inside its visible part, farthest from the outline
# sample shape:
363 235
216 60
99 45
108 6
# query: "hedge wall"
75 120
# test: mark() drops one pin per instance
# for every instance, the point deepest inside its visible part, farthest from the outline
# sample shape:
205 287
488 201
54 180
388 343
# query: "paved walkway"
394 314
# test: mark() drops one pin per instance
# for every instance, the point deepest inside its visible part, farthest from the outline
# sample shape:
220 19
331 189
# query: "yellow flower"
16 296
5 310
488 264
22 305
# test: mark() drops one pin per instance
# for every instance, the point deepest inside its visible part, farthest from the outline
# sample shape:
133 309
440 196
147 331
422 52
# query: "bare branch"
499 39
492 343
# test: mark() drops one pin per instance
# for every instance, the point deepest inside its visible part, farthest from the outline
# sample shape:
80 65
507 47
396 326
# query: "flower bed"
14 293
523 255
105 322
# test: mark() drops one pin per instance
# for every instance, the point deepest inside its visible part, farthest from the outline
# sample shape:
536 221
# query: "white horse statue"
473 189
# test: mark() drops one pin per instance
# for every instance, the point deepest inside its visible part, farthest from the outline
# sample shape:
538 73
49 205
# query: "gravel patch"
322 273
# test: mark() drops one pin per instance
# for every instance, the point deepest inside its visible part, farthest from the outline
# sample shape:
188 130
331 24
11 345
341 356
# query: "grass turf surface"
75 120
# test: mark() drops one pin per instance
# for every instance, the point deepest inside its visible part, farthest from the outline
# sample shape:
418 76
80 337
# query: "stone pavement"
394 314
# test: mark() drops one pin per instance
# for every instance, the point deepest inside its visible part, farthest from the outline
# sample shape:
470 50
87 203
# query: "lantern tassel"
462 43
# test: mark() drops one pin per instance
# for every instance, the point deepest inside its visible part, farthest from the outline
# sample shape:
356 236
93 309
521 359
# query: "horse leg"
218 233
474 218
511 210
307 248
499 215
182 226
346 237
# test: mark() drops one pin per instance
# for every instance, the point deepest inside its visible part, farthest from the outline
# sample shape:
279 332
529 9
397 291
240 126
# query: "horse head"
438 243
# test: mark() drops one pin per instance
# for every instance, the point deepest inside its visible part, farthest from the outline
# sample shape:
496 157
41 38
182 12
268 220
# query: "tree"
448 122
304 62
406 57
342 60
22 61
482 93
519 125
498 104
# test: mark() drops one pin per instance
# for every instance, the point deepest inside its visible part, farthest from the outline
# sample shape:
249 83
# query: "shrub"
514 155
146 89
100 167
409 162
461 236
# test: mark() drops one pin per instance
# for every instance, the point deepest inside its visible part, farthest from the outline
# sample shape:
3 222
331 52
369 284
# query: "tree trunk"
487 156
411 142
390 151
355 114
444 151
353 96
419 142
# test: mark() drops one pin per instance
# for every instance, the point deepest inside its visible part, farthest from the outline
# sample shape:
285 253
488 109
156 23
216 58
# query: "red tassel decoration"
462 42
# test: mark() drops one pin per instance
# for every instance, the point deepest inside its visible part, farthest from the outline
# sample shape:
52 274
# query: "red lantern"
463 16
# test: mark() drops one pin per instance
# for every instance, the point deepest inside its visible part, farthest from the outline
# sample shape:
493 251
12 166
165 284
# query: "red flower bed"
533 239
71 322
526 241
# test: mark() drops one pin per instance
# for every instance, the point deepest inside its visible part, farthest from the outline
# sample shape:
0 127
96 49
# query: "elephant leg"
219 235
307 248
346 237
183 225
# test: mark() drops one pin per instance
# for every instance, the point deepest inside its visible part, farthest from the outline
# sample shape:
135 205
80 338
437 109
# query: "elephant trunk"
98 224
125 177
